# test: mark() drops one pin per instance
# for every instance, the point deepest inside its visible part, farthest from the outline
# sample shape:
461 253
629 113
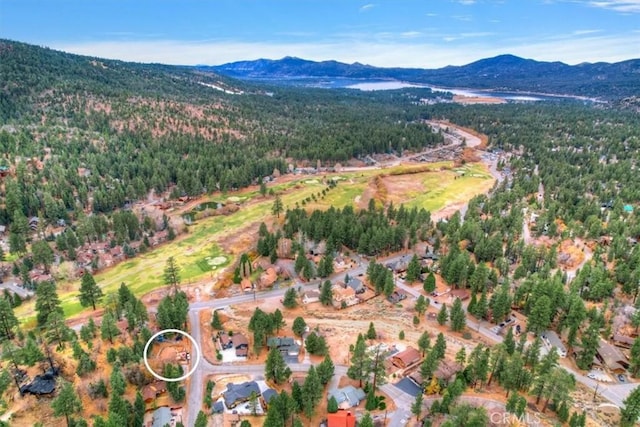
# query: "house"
343 296
241 344
246 284
161 417
269 394
396 296
406 358
239 393
286 345
33 222
611 357
356 284
268 278
237 341
551 340
463 294
622 341
399 266
447 369
341 419
152 391
347 397
310 296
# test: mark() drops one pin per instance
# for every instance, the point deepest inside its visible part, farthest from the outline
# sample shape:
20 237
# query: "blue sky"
407 33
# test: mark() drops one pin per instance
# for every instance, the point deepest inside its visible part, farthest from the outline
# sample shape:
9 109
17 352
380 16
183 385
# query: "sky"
384 33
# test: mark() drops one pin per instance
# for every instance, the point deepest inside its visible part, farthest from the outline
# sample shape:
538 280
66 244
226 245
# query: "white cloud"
464 18
367 7
383 52
411 34
624 6
431 14
467 2
585 32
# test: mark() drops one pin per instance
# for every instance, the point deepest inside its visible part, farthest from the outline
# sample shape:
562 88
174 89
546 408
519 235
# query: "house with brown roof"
268 278
310 296
152 391
343 296
237 341
406 358
622 341
611 357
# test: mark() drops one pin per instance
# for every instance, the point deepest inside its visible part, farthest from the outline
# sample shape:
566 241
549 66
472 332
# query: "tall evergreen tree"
90 292
8 320
413 269
67 403
172 273
47 302
108 328
276 369
458 316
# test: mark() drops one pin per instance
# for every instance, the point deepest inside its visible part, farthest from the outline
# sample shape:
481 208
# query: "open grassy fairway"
195 251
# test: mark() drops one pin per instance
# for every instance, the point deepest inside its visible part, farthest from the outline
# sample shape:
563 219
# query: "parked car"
622 378
591 375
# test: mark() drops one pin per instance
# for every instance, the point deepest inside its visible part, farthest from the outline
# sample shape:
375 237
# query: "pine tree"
359 362
371 332
429 283
216 323
332 405
276 369
413 269
442 315
424 342
277 207
416 407
509 342
326 293
290 299
634 361
47 302
31 353
8 320
172 273
108 328
90 292
202 419
421 305
299 326
631 412
326 370
67 403
458 316
366 420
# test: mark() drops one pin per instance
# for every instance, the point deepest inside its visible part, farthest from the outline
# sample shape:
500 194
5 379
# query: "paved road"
13 287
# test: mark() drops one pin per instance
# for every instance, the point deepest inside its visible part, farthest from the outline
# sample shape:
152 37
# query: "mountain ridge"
502 72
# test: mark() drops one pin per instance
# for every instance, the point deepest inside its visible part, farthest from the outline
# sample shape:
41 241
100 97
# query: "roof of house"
340 293
406 357
161 417
355 283
341 419
239 339
225 339
280 342
463 294
348 396
611 356
239 392
269 394
312 294
269 277
623 339
446 369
